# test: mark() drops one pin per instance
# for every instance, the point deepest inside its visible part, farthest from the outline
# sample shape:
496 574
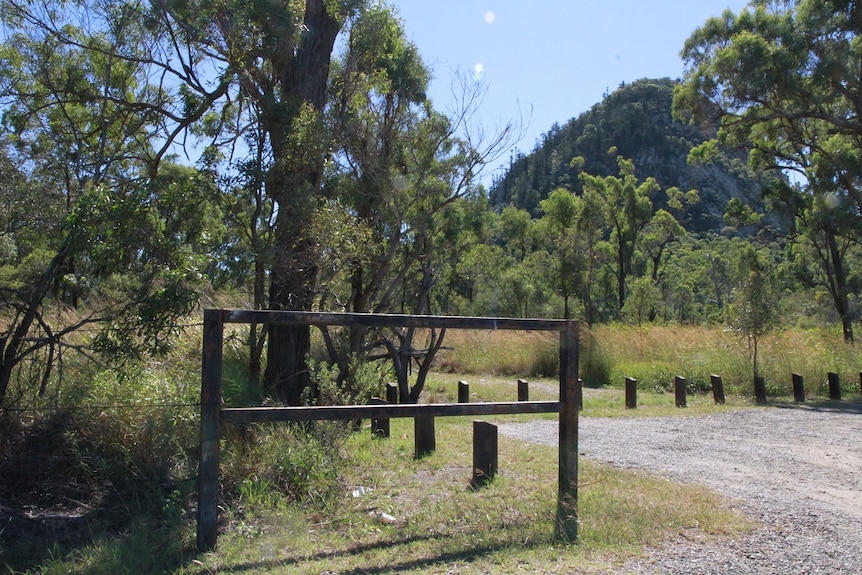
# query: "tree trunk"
838 285
294 183
12 346
292 288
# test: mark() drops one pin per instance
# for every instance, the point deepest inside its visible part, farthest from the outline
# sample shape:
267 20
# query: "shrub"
595 365
270 464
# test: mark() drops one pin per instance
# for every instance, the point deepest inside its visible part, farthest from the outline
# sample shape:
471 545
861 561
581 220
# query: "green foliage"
783 80
752 312
642 302
594 367
154 415
365 380
637 120
272 464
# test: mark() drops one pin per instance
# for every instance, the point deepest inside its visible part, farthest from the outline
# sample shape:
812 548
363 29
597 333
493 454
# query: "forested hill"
637 120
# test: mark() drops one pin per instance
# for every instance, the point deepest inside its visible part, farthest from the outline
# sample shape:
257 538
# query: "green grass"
441 525
287 505
655 354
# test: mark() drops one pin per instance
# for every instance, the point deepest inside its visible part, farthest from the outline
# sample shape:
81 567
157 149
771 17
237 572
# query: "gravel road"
797 470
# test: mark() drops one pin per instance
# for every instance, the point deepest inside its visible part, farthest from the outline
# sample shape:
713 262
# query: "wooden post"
208 465
463 392
631 393
484 453
523 390
717 389
798 388
679 391
860 382
566 524
380 427
759 390
834 386
425 442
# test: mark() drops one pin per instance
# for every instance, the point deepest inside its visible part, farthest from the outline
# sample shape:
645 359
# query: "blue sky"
550 59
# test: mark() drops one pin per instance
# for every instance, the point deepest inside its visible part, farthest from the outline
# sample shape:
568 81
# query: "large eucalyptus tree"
785 80
133 83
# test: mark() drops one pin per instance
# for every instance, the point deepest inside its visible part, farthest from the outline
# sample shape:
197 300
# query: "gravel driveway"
797 470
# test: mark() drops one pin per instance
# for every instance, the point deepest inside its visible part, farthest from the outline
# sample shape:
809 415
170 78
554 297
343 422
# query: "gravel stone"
796 470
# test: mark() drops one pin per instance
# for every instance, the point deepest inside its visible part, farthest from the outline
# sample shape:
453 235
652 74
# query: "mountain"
637 120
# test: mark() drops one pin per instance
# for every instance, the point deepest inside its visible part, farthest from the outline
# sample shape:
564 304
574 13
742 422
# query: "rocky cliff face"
635 119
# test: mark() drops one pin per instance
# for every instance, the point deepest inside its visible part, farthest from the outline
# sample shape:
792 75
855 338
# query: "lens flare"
478 71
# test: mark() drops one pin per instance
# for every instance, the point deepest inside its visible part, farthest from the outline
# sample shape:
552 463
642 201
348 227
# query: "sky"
549 60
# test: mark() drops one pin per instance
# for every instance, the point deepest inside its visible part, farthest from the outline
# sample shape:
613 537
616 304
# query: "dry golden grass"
655 354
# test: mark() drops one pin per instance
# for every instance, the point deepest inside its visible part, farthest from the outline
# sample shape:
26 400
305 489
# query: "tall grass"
654 355
520 353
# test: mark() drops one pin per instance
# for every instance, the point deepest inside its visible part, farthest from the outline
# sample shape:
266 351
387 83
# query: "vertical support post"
380 427
208 465
860 382
523 390
717 389
566 526
484 453
798 388
463 392
679 391
424 442
759 390
631 393
834 386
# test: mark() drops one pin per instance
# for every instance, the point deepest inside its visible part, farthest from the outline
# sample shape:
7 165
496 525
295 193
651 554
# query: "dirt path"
797 470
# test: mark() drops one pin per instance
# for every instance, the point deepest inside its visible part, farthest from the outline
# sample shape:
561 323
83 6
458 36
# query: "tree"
139 260
516 227
562 210
628 209
826 232
784 80
400 170
753 308
249 215
198 66
117 243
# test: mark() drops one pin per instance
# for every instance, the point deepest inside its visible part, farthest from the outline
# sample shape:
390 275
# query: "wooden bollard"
834 386
523 390
679 391
631 393
484 453
717 389
425 443
379 427
798 388
759 390
463 392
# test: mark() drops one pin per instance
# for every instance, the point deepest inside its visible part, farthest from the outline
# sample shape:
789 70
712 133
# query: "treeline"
637 120
154 152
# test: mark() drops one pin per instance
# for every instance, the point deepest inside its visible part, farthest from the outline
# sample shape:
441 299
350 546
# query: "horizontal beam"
390 320
351 412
